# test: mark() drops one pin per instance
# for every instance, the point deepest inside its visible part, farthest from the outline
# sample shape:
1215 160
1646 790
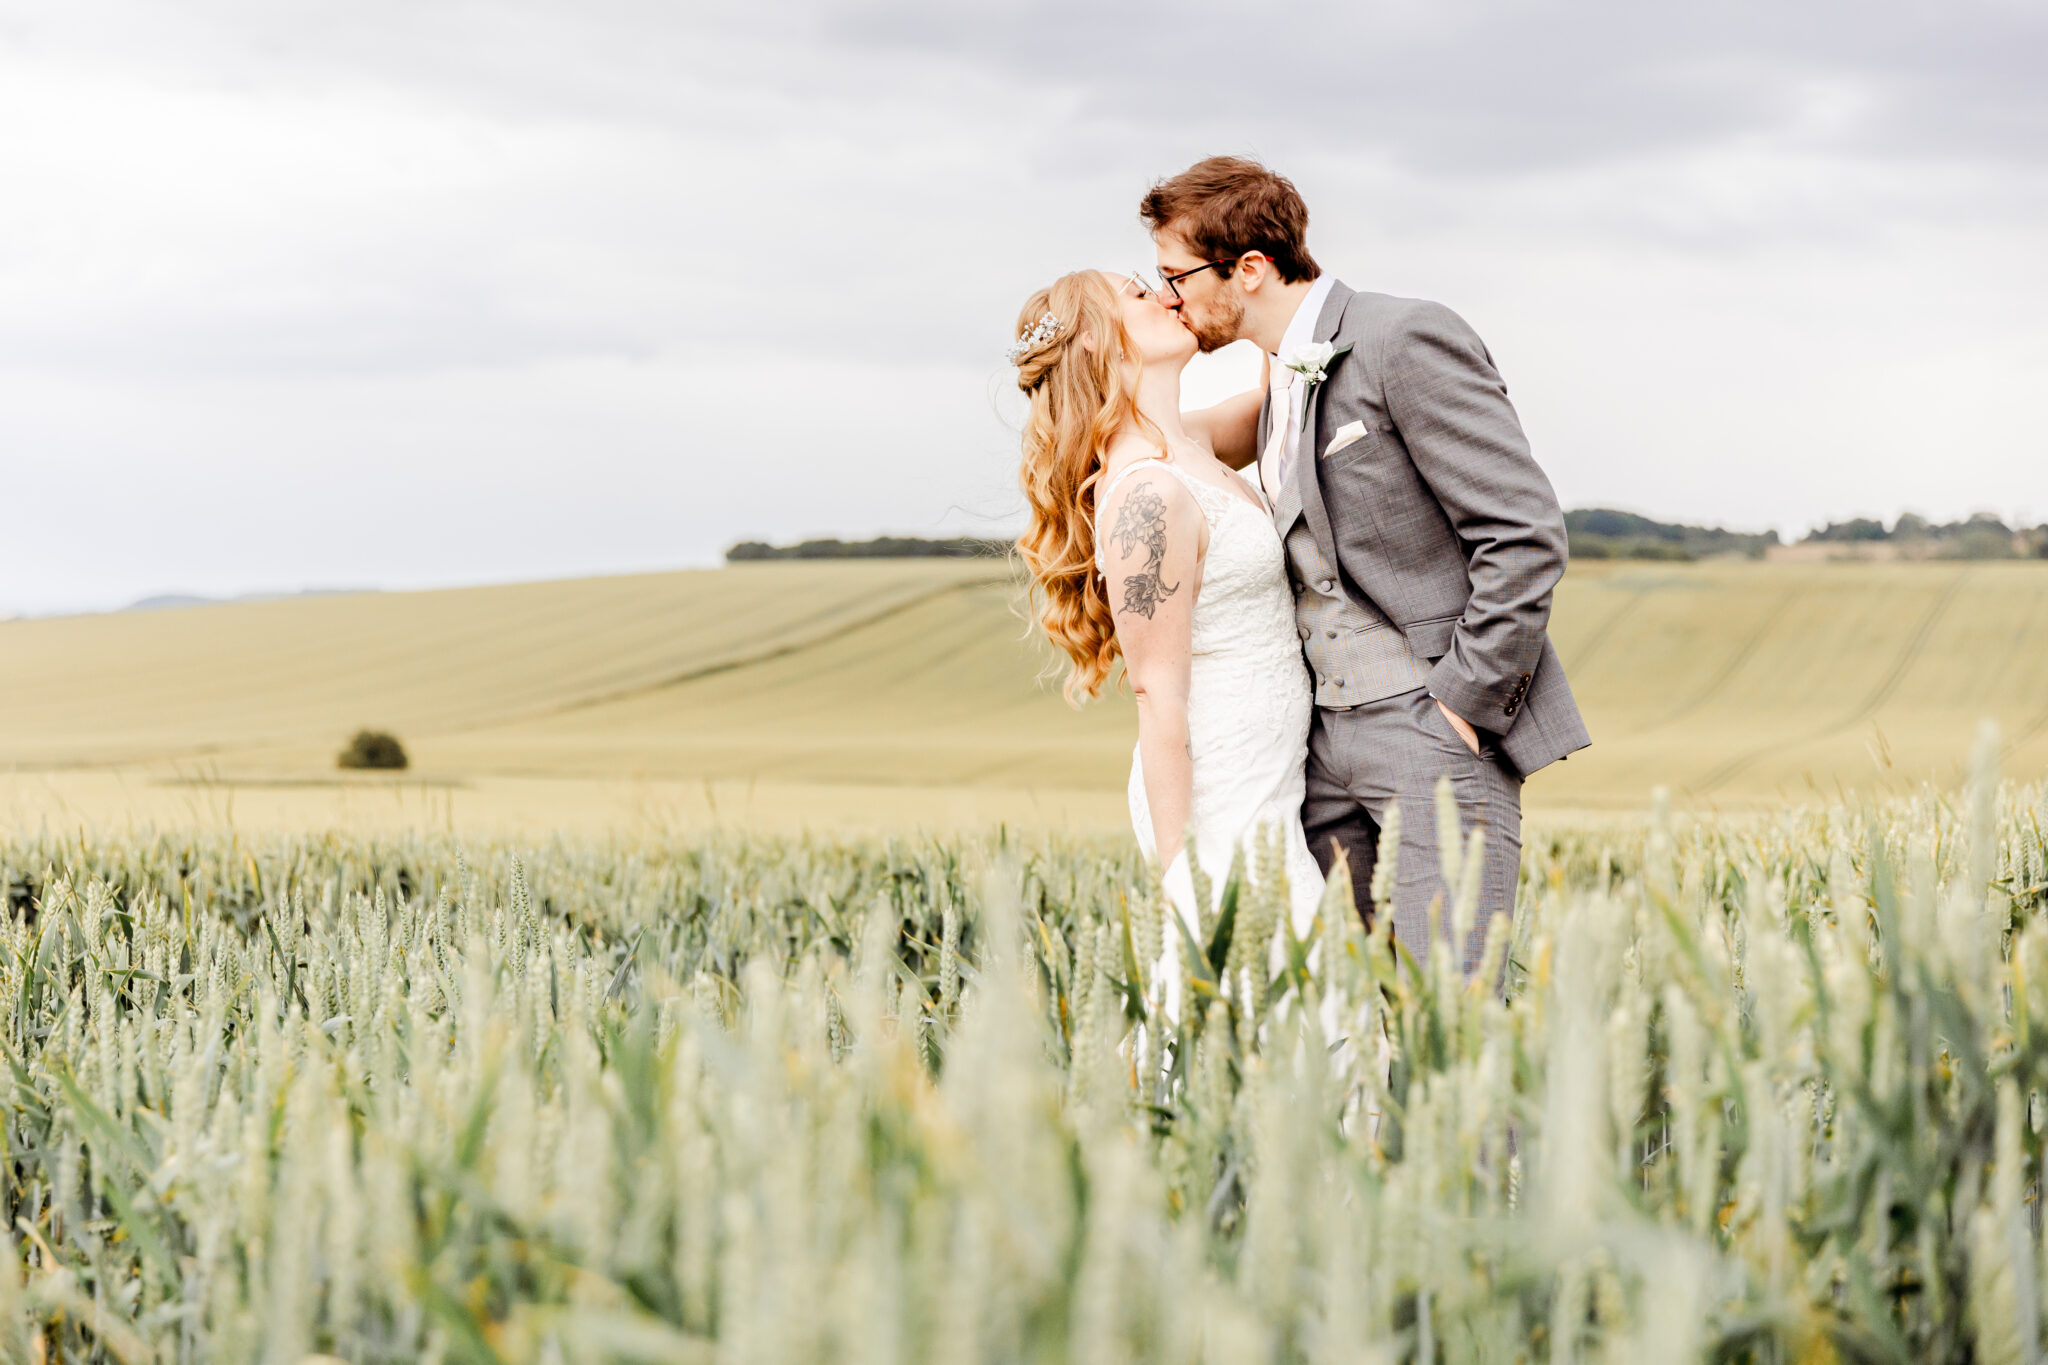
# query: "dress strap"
1102 494
1212 500
1205 494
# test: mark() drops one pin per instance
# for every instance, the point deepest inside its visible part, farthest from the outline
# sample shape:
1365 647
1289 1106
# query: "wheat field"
587 1040
1757 1094
880 695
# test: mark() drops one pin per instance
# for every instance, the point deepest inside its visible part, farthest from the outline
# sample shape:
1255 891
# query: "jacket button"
1304 632
1509 709
1327 584
1338 683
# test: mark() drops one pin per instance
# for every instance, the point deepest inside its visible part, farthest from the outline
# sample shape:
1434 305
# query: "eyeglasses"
1148 287
1172 282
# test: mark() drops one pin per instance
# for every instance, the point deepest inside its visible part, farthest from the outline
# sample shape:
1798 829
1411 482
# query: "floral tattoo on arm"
1142 522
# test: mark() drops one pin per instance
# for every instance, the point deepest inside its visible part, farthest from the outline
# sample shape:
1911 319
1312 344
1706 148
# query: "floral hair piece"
1048 327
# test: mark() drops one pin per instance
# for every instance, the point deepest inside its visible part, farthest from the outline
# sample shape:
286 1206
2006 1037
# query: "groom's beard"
1217 328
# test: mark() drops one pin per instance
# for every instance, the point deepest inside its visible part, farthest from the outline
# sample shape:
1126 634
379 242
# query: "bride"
1143 543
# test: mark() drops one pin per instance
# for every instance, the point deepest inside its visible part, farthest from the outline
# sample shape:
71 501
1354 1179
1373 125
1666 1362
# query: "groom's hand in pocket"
1458 724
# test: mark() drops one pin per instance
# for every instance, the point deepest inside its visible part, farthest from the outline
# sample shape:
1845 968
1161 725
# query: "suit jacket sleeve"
1452 411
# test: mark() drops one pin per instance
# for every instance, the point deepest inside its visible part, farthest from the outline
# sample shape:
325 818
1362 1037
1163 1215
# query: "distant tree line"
1604 533
1594 532
882 547
1982 536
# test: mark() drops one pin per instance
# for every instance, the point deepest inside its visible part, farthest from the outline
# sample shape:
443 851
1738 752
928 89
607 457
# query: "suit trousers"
1366 760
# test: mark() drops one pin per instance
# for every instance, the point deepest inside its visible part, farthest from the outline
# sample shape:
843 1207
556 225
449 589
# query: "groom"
1422 541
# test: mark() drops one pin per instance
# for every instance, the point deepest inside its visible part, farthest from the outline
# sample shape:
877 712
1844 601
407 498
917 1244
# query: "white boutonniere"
1311 361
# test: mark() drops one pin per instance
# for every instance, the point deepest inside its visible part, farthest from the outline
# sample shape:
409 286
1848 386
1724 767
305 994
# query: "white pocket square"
1346 434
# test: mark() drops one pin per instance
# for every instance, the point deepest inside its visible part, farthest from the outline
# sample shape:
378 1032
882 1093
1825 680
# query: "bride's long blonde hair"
1079 401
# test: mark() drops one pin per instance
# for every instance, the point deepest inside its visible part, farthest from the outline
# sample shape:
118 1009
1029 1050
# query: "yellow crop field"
270 685
633 1091
876 690
1734 683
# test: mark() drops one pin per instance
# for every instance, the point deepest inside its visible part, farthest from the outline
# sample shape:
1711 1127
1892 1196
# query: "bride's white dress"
1249 703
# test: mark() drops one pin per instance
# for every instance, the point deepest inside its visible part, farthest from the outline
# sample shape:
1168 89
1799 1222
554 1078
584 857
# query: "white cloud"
409 294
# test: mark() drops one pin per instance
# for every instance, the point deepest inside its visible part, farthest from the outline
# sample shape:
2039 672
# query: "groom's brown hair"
1227 205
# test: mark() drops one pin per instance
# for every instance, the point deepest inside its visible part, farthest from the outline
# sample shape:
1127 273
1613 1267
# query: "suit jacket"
1437 515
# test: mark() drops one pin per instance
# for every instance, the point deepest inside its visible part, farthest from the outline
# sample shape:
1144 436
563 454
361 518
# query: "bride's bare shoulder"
1145 476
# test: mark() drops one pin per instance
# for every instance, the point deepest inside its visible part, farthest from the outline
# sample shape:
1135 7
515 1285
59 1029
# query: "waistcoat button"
1304 632
1331 634
1326 585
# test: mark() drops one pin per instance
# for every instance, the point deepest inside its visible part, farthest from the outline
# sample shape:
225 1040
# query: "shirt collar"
1302 329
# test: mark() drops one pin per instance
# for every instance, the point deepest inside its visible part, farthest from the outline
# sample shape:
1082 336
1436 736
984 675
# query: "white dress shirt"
1301 330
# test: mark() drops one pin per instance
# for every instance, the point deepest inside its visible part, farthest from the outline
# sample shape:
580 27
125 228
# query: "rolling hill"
1729 683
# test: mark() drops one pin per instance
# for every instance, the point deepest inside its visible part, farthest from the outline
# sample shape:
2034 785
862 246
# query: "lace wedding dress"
1249 703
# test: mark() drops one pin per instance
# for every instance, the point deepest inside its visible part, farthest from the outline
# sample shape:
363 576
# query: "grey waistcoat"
1356 654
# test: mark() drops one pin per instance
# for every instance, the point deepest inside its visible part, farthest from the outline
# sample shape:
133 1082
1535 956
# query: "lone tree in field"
372 749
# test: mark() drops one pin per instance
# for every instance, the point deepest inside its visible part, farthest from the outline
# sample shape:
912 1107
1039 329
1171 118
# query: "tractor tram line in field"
1752 642
838 628
1908 654
2036 724
1605 631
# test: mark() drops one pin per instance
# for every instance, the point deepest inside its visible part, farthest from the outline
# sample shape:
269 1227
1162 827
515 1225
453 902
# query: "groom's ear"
1253 272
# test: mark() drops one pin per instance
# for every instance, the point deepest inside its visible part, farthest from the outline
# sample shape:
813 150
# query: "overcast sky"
381 292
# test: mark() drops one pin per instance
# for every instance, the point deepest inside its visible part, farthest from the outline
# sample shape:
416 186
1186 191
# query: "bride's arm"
1152 551
1232 427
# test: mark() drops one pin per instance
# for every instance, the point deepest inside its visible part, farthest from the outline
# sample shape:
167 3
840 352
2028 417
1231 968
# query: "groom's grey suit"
1423 551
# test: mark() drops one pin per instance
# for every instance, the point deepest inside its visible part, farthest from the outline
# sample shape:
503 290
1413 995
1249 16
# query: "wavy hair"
1079 401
